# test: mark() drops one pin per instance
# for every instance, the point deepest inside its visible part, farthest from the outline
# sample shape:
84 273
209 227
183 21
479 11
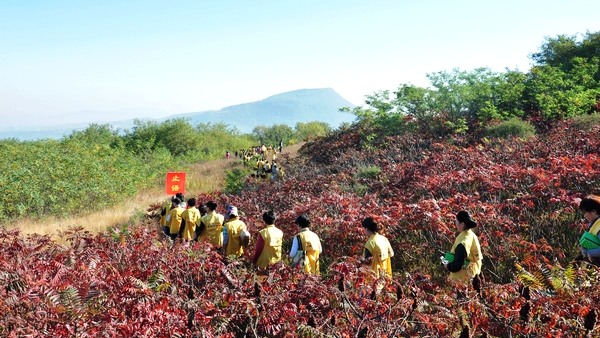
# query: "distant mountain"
304 105
288 108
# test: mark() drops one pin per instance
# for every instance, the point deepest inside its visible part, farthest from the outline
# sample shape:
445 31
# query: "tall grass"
201 177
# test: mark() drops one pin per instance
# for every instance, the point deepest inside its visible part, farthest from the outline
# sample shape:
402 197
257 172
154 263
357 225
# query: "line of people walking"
182 220
229 233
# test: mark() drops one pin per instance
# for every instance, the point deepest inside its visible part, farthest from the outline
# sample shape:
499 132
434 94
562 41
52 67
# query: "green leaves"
62 177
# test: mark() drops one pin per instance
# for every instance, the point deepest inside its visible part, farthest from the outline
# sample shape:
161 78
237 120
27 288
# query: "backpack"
244 237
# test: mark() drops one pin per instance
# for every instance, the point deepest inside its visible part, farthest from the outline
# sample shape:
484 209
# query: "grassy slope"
202 177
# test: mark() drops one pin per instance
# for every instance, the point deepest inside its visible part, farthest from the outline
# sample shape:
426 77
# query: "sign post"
175 183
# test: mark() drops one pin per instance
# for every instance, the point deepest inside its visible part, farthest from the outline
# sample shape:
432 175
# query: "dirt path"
202 177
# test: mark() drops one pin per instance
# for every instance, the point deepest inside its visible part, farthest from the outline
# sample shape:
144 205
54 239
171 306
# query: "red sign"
175 183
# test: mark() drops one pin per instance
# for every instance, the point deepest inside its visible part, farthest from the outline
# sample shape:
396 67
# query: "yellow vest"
271 154
311 245
271 252
166 207
595 227
192 218
175 219
214 227
381 252
234 244
474 257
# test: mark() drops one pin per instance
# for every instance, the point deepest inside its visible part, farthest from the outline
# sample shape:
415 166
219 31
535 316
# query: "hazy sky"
130 58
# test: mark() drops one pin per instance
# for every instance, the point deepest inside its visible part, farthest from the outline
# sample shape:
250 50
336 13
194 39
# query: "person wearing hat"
306 247
268 243
213 224
234 234
466 265
377 252
591 211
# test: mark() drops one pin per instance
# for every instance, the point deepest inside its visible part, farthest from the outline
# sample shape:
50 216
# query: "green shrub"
586 122
235 180
368 172
513 127
60 178
360 189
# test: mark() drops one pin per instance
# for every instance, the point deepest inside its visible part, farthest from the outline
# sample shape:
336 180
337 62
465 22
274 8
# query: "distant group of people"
263 159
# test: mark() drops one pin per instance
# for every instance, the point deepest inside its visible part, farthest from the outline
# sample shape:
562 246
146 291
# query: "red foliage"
524 195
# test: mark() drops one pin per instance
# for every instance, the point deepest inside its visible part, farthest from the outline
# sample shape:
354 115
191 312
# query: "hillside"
288 108
304 105
523 193
205 177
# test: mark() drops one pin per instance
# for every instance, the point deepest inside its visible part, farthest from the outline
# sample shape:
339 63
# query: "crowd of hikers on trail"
262 159
186 221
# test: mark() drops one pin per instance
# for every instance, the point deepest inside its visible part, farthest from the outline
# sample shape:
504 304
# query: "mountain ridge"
289 108
302 105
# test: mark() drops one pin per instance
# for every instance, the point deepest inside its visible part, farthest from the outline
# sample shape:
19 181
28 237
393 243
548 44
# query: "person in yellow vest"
268 243
164 211
174 218
260 168
466 265
263 151
200 230
213 224
270 154
378 252
306 247
591 211
189 221
234 234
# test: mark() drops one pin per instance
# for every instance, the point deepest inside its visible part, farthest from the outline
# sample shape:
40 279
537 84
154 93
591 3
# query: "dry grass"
209 176
202 177
93 222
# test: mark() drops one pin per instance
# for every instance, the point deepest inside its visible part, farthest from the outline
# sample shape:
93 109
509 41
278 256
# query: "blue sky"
61 60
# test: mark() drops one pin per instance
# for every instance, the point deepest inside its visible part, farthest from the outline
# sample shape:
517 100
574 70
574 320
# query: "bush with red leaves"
524 195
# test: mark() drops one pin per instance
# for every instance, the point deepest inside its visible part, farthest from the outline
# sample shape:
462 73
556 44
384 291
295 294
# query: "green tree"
216 138
557 94
260 133
278 132
565 80
270 136
142 139
307 131
178 136
98 134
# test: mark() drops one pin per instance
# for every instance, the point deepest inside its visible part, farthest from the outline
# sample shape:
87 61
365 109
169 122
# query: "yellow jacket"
175 219
192 218
166 207
234 245
214 227
474 257
311 245
595 227
271 252
381 253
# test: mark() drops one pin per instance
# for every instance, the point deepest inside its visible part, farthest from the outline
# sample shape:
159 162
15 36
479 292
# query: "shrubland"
412 161
523 192
101 166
